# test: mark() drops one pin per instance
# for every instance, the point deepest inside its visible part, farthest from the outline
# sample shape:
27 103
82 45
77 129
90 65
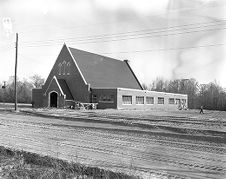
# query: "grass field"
148 144
10 106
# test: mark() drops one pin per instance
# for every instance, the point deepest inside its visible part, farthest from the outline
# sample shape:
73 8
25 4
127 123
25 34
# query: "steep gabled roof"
101 71
63 87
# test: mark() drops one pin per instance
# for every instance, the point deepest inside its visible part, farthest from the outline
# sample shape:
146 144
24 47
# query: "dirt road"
147 144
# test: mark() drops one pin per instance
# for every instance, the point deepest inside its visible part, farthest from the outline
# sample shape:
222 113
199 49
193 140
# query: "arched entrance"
53 99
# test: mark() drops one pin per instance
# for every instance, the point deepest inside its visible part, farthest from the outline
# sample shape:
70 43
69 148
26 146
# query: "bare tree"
23 91
37 81
145 87
159 85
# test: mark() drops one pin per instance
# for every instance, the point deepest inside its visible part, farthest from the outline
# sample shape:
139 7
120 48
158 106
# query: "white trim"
49 97
53 67
147 91
69 100
144 91
76 65
54 77
105 88
106 101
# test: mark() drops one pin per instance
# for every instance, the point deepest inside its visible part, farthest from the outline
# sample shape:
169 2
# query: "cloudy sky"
161 38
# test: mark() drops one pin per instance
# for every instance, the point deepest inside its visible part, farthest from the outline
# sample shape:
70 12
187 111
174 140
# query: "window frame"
162 100
138 100
152 99
127 96
170 100
103 97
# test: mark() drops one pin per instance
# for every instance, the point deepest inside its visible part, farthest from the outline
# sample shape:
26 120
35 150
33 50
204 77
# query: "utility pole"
15 76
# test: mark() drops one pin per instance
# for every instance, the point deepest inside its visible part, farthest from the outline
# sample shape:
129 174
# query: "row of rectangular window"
103 98
106 98
126 99
139 99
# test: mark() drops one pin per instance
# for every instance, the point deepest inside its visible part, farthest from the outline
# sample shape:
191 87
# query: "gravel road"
147 144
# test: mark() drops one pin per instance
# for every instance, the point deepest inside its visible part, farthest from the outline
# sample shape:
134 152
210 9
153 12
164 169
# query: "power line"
168 49
121 39
165 49
116 35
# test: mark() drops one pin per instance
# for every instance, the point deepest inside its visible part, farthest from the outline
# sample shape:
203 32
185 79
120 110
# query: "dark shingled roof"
101 71
65 89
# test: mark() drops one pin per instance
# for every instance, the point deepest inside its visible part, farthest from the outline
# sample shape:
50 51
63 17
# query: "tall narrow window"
64 67
68 68
60 68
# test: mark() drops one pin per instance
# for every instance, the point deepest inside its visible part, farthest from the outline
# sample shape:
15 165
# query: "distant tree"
1 92
182 86
212 96
37 81
174 86
190 87
23 91
9 90
158 85
145 87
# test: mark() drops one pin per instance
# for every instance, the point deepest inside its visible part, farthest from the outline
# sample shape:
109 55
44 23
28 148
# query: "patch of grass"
20 164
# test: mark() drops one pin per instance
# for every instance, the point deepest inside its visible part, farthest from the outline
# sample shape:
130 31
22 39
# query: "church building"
83 77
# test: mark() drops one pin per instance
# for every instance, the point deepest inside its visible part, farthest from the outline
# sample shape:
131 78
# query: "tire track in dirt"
142 149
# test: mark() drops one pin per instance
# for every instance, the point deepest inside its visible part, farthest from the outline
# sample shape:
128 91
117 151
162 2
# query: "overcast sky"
161 38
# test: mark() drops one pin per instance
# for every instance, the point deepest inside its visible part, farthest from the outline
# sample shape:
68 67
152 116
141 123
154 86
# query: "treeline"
210 96
24 88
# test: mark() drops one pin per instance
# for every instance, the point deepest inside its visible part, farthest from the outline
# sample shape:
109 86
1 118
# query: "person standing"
201 110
